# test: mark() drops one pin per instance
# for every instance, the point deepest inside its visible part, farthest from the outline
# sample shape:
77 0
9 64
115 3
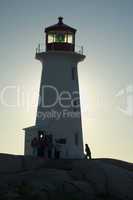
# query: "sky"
106 76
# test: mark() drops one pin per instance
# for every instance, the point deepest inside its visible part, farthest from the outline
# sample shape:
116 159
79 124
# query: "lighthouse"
58 120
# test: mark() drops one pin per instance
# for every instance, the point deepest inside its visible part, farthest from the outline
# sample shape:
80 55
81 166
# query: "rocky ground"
29 178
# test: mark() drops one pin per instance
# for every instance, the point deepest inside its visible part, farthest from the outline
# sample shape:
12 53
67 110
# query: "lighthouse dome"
60 37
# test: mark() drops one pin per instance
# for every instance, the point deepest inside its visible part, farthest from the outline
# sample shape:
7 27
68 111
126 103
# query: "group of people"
44 147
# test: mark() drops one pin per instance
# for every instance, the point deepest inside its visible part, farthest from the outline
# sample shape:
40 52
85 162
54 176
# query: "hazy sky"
105 29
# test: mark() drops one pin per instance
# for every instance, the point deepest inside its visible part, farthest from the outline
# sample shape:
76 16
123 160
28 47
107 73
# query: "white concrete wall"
57 72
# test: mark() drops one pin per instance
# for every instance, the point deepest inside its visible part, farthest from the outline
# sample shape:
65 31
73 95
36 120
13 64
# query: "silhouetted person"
41 147
34 144
50 148
57 150
88 151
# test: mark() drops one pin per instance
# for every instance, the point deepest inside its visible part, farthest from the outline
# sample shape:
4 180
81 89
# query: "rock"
35 178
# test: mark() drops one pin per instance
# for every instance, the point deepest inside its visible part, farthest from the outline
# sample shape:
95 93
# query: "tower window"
40 134
74 73
75 105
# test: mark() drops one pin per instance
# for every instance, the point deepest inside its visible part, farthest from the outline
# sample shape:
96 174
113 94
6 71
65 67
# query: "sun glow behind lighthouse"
106 34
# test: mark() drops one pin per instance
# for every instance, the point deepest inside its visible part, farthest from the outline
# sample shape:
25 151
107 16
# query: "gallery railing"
41 48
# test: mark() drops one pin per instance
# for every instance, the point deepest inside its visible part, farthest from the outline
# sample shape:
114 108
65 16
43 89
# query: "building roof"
60 26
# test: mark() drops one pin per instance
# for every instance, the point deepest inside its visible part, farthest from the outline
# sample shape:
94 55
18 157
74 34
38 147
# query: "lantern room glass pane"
70 38
50 38
60 38
65 37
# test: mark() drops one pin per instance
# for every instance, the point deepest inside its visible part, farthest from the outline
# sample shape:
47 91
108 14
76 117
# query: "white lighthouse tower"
58 117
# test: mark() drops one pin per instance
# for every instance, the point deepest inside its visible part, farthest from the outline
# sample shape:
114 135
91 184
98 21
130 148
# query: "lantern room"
60 37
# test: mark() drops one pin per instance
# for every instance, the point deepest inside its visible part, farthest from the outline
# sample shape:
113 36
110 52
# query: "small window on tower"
74 73
75 105
41 134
